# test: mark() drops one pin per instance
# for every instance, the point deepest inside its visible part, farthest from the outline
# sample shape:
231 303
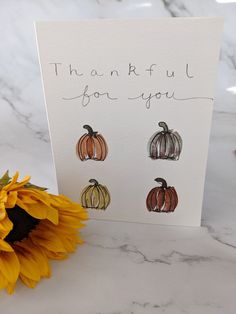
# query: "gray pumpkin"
165 144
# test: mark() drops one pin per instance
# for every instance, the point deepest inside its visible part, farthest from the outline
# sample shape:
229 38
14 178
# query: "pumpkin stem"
94 181
164 183
89 129
164 126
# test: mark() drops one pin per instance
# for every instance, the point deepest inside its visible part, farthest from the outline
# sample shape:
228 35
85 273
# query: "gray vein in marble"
186 258
210 305
132 249
11 96
142 306
217 238
176 8
9 145
230 114
179 9
149 305
228 53
110 312
167 259
25 119
126 248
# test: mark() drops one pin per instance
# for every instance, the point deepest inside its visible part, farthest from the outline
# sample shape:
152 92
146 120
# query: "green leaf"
5 179
33 186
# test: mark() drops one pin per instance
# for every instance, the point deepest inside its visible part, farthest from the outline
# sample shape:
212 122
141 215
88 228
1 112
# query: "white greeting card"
129 106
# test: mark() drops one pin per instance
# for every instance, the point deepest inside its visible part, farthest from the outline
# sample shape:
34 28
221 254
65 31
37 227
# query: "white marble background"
123 268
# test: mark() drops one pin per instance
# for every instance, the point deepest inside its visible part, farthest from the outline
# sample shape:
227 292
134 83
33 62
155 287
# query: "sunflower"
35 226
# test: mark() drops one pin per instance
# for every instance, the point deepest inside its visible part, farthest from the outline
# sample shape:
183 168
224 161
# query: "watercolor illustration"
165 144
95 196
91 145
162 199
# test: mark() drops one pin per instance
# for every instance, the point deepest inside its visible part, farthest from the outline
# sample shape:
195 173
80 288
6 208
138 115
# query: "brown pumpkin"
91 145
95 196
162 198
165 144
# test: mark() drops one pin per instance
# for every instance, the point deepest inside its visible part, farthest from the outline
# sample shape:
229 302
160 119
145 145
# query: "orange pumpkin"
91 145
162 198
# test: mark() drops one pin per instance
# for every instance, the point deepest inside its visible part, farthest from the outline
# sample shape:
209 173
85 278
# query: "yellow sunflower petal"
31 195
79 240
27 198
10 287
38 255
60 200
11 199
55 255
69 221
2 212
38 204
48 240
28 282
3 281
3 199
28 267
68 236
10 266
45 270
3 196
39 211
13 181
4 246
14 185
78 212
18 185
64 204
68 242
5 227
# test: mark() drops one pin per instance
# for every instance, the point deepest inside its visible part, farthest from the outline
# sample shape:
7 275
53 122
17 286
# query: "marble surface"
123 268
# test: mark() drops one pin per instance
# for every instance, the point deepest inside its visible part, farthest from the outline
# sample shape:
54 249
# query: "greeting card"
129 105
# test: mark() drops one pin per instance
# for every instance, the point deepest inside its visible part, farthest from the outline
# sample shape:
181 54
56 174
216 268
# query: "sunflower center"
23 223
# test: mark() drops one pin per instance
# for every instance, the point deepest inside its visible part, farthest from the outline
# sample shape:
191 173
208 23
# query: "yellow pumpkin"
95 196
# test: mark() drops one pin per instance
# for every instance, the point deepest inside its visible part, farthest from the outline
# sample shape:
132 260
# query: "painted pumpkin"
162 198
91 145
95 196
165 144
